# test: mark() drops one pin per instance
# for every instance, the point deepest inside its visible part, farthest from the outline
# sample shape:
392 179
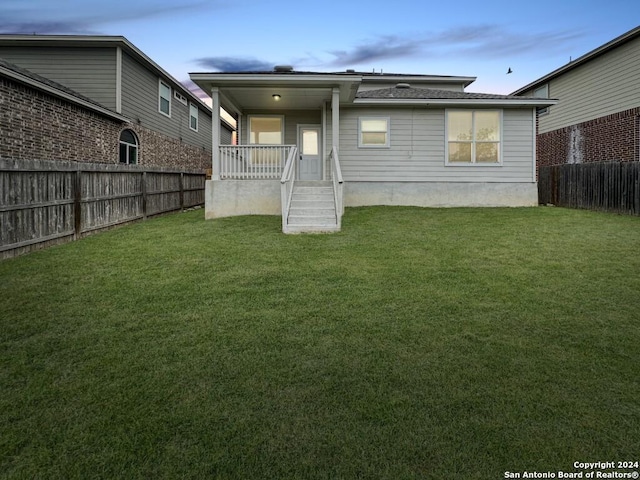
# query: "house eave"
62 95
503 103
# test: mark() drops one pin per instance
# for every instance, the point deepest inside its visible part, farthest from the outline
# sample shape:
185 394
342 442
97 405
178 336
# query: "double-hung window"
373 132
266 130
542 92
193 117
473 137
164 99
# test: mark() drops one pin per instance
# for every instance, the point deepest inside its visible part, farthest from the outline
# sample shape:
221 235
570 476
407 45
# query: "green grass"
416 343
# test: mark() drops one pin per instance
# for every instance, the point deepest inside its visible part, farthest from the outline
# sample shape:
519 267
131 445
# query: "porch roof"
241 91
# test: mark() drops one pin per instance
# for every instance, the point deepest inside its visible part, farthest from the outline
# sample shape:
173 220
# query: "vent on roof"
403 85
283 68
351 70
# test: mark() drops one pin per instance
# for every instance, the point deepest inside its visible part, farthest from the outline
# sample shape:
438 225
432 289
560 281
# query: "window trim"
251 117
197 116
387 144
160 97
129 145
473 162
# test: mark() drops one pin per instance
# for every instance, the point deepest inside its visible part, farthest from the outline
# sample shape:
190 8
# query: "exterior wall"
605 85
417 149
38 126
140 94
89 71
614 137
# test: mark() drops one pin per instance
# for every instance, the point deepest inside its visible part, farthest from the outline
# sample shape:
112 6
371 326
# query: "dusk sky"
462 37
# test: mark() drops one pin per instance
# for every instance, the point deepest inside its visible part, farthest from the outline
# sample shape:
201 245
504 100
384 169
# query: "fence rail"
45 203
607 186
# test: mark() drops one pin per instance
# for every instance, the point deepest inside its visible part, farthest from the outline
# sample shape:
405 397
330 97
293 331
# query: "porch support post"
335 118
215 133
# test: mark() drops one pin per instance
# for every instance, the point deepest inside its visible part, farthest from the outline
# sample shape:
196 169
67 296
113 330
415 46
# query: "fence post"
77 204
144 195
182 191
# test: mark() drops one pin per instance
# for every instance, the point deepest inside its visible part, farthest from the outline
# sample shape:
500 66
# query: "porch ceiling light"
276 97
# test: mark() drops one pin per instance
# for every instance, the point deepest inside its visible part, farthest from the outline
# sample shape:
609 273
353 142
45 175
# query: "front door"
309 149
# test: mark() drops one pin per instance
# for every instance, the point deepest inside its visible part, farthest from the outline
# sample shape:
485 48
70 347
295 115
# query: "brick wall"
38 126
610 138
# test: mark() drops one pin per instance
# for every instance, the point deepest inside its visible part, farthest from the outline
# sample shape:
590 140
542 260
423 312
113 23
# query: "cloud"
88 17
463 42
386 47
234 64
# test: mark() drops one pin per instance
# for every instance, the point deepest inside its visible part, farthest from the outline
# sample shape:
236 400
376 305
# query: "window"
164 102
373 132
128 147
193 117
542 92
266 130
181 98
473 137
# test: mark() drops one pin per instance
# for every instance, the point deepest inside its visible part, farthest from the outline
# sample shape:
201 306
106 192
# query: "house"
311 143
162 122
597 116
43 120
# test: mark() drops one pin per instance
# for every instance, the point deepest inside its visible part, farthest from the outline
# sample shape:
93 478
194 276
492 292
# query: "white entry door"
309 150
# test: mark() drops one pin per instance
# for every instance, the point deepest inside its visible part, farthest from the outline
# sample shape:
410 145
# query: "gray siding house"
311 143
170 125
596 117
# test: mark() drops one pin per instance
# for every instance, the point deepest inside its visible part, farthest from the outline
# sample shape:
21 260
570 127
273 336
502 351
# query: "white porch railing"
238 162
336 179
289 174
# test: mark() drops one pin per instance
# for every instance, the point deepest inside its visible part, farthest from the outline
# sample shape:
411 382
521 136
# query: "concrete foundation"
440 194
226 198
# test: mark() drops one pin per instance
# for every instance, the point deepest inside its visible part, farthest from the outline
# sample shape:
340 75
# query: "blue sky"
461 37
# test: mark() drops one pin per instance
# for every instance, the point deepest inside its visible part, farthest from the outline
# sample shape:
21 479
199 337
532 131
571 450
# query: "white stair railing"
337 180
286 183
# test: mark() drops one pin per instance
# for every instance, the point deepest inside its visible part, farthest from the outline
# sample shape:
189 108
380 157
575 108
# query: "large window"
473 137
128 147
164 100
193 117
266 130
373 132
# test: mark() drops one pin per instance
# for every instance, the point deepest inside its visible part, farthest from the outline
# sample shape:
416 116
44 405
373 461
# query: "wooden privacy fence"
608 186
44 203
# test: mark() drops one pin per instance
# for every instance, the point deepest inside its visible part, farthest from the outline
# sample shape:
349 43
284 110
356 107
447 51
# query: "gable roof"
587 57
412 95
33 80
101 41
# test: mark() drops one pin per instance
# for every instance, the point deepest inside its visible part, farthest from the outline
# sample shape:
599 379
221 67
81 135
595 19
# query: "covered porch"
287 133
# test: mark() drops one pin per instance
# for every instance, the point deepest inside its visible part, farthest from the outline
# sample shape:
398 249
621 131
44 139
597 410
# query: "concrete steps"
312 208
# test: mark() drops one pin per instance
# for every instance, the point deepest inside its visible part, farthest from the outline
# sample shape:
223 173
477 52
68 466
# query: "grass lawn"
417 343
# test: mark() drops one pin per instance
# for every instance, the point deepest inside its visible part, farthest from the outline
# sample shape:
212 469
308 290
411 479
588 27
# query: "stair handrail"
337 180
286 183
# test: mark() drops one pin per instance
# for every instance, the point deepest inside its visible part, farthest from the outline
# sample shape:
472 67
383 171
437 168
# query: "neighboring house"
43 120
164 124
311 143
597 117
